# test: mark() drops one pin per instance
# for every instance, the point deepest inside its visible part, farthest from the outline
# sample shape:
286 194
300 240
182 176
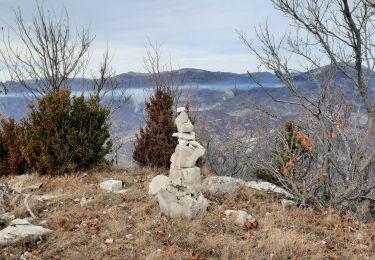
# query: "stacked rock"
182 196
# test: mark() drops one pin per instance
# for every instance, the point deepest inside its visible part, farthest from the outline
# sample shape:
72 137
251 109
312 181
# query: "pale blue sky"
194 33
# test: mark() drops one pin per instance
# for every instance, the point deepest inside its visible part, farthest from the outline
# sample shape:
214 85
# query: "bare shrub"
339 171
48 54
155 144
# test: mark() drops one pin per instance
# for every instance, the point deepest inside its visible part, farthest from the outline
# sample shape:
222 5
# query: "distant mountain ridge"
193 76
184 76
200 77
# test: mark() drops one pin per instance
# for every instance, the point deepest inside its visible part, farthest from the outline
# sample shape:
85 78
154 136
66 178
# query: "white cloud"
196 33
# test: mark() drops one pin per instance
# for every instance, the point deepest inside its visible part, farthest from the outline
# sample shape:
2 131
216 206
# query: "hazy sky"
194 33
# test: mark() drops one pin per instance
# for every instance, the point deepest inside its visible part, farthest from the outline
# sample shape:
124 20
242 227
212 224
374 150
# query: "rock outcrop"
21 230
221 186
224 185
181 194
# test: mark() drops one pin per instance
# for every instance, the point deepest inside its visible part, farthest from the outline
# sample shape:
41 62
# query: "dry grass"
81 232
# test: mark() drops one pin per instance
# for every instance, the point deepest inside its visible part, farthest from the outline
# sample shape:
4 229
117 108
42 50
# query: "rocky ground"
87 222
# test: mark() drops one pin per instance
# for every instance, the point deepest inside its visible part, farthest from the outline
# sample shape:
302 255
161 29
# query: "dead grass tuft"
139 231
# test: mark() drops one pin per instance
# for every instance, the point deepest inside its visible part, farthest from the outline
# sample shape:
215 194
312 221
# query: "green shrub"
63 134
11 160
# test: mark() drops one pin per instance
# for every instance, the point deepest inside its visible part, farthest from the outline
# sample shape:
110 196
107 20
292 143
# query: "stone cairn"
182 193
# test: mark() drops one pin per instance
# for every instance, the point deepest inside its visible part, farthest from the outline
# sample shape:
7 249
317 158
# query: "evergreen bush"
11 160
64 134
155 144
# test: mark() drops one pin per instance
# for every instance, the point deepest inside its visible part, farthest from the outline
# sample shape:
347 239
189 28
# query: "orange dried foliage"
304 141
11 160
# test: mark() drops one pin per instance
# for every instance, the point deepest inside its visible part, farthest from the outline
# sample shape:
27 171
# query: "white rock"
185 136
183 142
26 256
7 216
266 186
129 236
183 123
174 203
21 230
195 144
158 182
181 109
241 216
19 222
189 178
111 185
186 157
108 241
220 182
221 186
287 204
83 202
43 198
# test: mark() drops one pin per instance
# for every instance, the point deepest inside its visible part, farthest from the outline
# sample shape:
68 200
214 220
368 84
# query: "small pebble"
130 236
109 241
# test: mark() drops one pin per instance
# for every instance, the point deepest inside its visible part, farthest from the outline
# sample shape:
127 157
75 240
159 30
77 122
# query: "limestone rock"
241 216
174 203
158 182
183 123
195 144
185 136
268 187
7 216
221 186
181 109
187 177
180 194
19 222
21 230
287 204
111 185
186 156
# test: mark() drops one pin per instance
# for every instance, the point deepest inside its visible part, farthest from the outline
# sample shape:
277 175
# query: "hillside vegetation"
89 223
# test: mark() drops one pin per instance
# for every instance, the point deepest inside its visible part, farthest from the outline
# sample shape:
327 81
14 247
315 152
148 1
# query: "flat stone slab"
220 185
111 185
21 230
